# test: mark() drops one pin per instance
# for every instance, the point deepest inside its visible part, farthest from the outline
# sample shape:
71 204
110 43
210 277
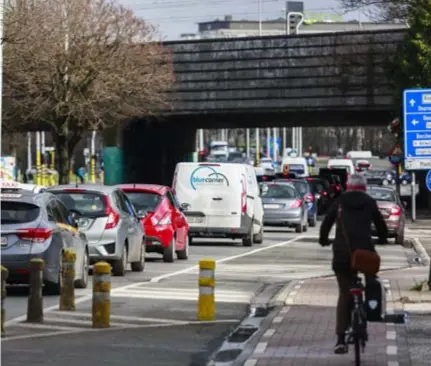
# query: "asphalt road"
154 313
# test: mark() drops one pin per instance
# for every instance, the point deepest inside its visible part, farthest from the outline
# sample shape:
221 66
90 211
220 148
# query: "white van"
297 165
342 164
220 200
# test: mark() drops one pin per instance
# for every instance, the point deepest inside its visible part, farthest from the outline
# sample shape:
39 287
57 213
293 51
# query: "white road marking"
260 348
46 326
269 333
250 362
391 335
226 259
393 363
391 350
277 319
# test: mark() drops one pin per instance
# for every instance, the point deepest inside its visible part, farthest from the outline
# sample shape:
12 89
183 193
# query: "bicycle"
357 335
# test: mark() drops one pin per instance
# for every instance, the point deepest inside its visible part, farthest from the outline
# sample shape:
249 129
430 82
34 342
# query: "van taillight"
243 198
113 217
34 234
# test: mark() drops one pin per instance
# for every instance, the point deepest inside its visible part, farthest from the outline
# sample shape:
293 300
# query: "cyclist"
358 211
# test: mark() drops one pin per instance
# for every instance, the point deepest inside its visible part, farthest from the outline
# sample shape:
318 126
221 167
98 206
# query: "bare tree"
80 65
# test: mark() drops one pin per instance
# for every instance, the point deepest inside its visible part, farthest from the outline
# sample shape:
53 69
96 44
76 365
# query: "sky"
174 17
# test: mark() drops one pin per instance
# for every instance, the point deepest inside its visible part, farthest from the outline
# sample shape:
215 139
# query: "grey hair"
357 180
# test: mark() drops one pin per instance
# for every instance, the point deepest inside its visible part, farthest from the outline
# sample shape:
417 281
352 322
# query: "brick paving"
303 333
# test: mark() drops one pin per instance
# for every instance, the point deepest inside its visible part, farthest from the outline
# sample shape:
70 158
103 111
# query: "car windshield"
382 195
297 168
279 191
144 201
87 203
13 212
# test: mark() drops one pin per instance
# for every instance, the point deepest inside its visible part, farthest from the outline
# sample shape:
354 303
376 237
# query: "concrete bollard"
206 302
4 275
35 297
101 295
67 295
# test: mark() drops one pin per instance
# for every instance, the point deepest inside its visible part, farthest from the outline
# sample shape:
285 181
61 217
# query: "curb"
232 353
420 249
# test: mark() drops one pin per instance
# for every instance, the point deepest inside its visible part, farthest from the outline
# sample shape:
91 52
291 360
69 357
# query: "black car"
323 192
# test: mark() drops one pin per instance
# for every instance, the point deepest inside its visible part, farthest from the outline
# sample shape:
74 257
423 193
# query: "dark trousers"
345 281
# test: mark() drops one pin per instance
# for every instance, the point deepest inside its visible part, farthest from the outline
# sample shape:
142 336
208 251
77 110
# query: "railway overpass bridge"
335 79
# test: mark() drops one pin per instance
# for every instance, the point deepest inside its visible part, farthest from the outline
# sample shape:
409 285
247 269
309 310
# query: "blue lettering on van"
206 175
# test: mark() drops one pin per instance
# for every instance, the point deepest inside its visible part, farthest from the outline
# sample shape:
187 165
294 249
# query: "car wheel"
184 253
258 238
83 281
248 240
312 222
399 239
169 251
119 266
140 264
298 228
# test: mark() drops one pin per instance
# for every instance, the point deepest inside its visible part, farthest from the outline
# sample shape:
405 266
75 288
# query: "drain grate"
241 334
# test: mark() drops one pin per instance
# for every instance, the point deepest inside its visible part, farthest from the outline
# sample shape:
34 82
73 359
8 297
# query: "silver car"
109 221
283 205
39 226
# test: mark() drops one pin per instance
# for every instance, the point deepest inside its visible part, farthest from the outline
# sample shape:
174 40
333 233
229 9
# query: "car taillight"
34 234
324 193
165 220
296 204
309 197
243 198
113 216
395 211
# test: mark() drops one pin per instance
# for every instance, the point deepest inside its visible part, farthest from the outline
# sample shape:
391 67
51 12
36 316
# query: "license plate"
195 219
3 241
271 206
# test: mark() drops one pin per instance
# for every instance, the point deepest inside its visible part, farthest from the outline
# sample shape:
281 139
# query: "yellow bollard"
4 275
206 302
93 169
101 295
35 297
67 295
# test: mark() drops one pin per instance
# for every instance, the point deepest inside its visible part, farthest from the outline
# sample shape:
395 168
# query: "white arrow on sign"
415 122
412 102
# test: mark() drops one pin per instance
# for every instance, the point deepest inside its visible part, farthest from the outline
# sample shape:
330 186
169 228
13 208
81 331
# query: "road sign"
417 129
396 154
428 180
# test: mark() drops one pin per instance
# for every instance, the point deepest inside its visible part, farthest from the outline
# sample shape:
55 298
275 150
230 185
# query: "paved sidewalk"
302 334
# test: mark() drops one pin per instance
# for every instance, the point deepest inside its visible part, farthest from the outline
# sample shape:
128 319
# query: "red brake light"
324 193
296 204
243 197
396 211
356 291
113 216
73 190
310 179
34 234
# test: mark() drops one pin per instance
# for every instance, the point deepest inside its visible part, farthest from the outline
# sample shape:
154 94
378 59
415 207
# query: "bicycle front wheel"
357 338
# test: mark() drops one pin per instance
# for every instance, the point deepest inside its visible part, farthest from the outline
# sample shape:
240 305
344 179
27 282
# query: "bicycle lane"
302 333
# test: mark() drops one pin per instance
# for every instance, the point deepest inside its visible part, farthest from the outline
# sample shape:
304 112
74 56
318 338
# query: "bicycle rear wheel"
357 338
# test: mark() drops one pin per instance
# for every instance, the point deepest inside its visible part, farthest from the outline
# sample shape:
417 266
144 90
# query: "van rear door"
211 192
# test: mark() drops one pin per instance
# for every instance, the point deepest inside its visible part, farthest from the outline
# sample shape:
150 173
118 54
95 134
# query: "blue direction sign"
417 129
428 180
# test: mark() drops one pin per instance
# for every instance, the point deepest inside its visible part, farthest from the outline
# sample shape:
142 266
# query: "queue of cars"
120 224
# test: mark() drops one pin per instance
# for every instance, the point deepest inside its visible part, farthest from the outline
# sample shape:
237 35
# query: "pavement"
154 312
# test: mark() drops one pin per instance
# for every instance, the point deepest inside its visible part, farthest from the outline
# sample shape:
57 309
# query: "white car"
35 188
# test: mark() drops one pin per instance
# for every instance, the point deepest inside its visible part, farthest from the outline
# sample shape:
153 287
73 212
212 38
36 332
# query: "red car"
166 228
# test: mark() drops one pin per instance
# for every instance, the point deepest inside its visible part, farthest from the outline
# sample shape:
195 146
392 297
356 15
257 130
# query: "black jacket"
358 212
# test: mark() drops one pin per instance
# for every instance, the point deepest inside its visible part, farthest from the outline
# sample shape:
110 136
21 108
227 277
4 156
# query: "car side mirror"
141 214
